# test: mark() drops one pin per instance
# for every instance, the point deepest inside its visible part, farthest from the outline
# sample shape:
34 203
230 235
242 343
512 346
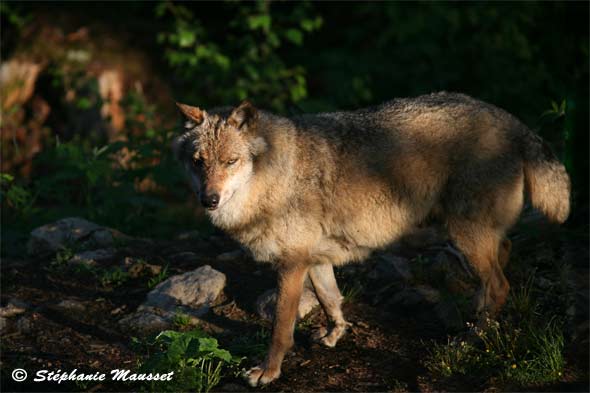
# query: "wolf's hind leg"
481 246
326 288
504 252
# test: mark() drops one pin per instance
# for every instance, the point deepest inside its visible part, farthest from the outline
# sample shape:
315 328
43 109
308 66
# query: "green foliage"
351 291
17 199
252 345
62 258
196 359
112 277
525 347
14 15
152 282
529 355
138 176
454 357
181 319
239 54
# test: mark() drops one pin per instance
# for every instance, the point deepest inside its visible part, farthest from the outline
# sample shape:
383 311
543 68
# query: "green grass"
152 282
181 320
524 347
351 292
252 345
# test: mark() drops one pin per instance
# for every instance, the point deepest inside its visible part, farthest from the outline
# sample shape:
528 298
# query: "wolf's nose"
210 201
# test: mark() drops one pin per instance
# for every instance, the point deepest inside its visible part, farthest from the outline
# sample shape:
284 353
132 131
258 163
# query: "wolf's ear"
245 114
193 114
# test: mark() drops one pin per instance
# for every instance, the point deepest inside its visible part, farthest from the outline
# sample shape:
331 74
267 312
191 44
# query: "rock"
145 322
24 324
449 315
230 256
53 237
265 304
417 296
184 256
93 258
544 283
14 307
197 290
192 293
140 268
189 235
71 305
390 267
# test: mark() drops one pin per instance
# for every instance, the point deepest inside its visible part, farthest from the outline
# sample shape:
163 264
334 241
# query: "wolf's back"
546 179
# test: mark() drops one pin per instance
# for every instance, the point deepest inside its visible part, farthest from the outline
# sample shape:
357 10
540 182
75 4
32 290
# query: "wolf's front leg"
290 285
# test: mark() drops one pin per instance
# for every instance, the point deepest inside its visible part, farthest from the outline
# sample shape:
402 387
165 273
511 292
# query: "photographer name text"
115 375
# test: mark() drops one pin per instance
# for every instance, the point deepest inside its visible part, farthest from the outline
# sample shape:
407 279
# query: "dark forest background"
87 93
88 89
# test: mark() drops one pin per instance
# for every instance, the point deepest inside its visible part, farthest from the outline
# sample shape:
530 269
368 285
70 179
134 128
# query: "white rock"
265 304
145 322
71 305
93 258
197 290
12 308
192 293
230 256
189 235
50 238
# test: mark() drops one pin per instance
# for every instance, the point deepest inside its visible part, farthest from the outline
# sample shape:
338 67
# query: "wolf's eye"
232 161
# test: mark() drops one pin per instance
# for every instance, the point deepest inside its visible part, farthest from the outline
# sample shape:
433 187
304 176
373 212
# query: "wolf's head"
218 150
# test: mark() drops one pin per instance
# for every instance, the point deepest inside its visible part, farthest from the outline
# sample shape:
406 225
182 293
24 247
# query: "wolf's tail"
547 182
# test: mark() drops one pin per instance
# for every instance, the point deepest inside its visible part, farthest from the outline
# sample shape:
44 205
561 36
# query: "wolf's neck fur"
267 190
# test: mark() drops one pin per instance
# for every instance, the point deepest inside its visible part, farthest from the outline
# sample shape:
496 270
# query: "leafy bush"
238 56
196 359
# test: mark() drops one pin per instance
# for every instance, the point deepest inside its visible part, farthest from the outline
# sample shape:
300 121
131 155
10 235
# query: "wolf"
310 192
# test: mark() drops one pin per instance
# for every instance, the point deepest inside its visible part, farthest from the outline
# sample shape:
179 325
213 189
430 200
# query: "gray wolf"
314 191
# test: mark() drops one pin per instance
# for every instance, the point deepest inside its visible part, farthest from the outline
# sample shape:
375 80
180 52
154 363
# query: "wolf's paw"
260 376
319 333
330 338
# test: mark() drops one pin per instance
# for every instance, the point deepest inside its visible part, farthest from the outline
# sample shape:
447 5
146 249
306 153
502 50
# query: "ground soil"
384 351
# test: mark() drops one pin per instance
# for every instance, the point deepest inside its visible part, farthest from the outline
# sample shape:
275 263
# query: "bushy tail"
547 182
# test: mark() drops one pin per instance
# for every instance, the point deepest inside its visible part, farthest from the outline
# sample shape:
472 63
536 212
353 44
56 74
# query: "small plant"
351 292
114 278
181 319
398 386
152 282
196 359
525 354
522 302
18 199
62 258
454 357
252 345
304 324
